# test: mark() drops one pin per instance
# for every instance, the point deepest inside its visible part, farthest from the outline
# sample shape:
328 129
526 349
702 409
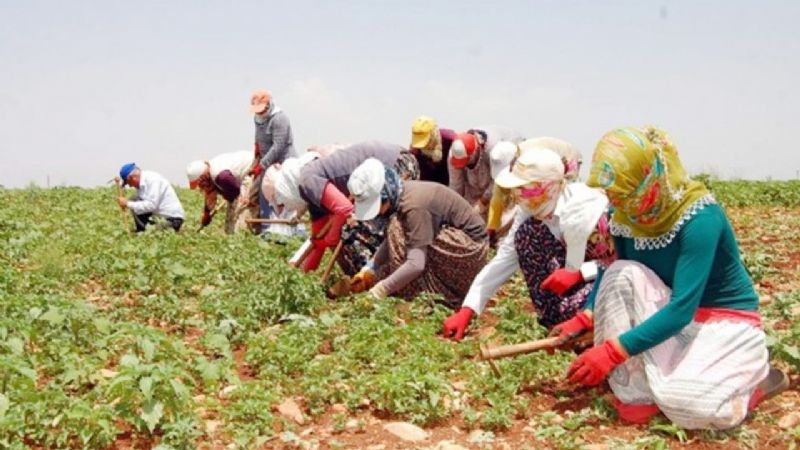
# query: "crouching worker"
154 196
435 242
322 186
228 175
559 239
675 318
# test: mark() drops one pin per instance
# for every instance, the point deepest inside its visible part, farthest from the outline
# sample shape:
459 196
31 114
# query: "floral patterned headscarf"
644 181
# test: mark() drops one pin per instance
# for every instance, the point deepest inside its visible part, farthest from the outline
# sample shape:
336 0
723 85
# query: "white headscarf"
287 182
580 209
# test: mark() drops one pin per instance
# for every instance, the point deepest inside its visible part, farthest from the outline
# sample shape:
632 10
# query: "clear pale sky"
86 86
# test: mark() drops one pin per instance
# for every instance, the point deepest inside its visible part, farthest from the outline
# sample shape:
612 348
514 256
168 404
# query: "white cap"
365 186
195 170
500 156
535 164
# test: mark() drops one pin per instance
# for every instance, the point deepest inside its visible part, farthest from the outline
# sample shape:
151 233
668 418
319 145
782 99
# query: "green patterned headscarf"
644 180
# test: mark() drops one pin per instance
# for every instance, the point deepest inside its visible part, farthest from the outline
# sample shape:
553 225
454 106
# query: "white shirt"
506 260
239 163
155 195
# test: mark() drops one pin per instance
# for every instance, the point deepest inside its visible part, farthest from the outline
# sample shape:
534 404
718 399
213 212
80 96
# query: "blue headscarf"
392 189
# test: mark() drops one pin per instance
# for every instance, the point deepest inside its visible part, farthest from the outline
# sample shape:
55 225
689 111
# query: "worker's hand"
123 202
379 291
456 325
594 365
363 280
206 219
572 328
561 281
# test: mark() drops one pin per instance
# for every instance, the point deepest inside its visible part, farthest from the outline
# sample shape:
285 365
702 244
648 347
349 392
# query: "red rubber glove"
256 169
456 324
571 328
561 281
594 365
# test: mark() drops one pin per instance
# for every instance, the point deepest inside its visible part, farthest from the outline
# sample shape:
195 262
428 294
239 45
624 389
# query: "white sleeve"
497 272
148 197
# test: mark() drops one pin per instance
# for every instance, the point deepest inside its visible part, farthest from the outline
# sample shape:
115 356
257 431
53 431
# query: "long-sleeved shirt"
274 139
337 168
506 260
473 183
703 268
423 209
155 195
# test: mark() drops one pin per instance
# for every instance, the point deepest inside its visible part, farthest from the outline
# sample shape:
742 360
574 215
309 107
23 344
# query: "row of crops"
106 336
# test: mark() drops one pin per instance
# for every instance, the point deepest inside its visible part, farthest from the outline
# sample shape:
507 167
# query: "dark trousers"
142 220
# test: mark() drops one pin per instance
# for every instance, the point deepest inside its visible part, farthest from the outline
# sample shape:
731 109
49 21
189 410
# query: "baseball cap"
421 131
194 170
260 100
365 186
126 170
500 157
534 164
461 150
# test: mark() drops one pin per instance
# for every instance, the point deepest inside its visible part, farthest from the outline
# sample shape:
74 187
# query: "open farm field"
203 340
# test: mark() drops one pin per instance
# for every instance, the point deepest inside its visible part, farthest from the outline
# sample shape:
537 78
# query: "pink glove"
456 324
561 281
594 365
573 327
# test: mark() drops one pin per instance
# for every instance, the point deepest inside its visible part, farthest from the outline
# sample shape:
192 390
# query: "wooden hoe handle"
302 253
505 351
122 194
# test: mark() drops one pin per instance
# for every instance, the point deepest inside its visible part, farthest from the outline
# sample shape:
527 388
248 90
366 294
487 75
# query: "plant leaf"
152 413
4 405
53 315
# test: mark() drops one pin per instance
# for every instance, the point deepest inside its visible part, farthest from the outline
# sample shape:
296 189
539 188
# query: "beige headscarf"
570 156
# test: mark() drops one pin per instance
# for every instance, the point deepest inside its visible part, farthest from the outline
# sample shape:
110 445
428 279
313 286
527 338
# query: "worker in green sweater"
675 318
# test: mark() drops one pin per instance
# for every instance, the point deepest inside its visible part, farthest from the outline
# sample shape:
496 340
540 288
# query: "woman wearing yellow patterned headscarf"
644 180
675 318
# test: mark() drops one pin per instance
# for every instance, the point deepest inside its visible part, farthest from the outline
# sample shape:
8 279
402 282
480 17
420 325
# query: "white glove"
379 291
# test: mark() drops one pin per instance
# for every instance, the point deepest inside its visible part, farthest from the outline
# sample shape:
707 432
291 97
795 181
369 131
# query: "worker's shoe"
775 383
